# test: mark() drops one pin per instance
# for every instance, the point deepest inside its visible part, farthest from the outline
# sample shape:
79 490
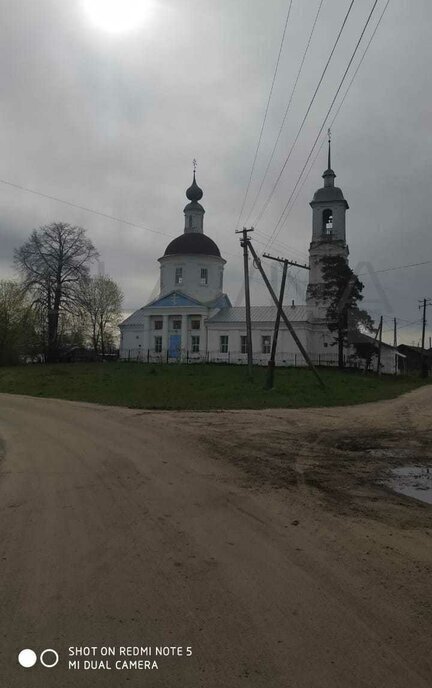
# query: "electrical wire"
338 109
286 111
265 114
275 231
397 267
97 212
82 207
269 197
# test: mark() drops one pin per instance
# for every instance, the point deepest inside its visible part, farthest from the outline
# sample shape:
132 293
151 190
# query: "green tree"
341 291
53 263
18 337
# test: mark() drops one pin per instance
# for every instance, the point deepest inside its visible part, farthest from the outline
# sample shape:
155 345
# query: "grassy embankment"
214 386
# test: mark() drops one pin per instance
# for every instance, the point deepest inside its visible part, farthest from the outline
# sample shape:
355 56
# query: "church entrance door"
174 346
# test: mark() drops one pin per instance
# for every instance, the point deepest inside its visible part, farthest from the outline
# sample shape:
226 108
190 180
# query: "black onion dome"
194 193
192 243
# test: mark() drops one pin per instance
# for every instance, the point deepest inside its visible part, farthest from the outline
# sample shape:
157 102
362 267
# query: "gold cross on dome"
194 163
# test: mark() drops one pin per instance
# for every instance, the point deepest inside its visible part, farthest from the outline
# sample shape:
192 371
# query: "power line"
95 212
265 114
286 110
82 207
398 267
283 245
265 206
401 327
326 117
339 107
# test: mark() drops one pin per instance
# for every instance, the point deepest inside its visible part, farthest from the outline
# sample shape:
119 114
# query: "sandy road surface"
257 538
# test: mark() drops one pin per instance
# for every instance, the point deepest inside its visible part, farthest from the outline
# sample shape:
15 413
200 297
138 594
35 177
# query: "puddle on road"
412 481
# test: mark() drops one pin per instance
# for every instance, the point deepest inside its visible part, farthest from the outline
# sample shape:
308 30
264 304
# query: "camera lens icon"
48 658
27 658
52 659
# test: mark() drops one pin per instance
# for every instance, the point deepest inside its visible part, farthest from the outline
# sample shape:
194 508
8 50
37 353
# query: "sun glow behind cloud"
118 16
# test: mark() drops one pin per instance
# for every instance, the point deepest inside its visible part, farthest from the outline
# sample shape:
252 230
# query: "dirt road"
258 539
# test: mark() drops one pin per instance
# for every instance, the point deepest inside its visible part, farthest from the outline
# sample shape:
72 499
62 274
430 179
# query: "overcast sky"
112 121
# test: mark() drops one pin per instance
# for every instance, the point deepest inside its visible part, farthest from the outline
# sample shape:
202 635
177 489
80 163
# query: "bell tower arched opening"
327 222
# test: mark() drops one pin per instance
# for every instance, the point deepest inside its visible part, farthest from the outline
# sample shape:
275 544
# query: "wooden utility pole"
272 361
244 242
283 316
423 365
395 344
379 346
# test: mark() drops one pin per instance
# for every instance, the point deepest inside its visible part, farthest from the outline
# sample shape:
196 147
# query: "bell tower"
328 235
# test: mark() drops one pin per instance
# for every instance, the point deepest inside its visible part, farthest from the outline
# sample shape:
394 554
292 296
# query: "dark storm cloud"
113 122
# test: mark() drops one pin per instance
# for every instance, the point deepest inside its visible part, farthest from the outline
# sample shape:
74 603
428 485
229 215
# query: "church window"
158 324
195 345
266 343
190 221
158 344
223 344
243 344
177 324
196 324
204 276
179 275
327 221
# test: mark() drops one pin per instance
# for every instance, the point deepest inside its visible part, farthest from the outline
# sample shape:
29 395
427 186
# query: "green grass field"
196 386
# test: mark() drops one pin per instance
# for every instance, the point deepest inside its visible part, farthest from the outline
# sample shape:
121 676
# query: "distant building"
412 361
192 318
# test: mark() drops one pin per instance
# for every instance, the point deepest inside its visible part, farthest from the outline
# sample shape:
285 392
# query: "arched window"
327 225
190 221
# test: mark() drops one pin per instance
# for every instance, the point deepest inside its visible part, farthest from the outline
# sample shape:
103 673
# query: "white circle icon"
27 658
55 658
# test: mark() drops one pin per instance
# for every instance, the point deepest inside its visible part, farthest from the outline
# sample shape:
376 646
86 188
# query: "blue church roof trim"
175 298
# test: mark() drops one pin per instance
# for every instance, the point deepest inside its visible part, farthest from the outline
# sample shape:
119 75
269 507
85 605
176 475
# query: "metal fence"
232 357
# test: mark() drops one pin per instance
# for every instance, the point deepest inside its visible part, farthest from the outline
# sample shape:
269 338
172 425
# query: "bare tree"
101 302
53 263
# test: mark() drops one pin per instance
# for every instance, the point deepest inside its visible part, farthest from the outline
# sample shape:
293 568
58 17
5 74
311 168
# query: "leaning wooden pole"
272 361
283 316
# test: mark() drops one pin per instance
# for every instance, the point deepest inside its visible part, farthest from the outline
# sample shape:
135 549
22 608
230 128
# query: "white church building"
192 319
